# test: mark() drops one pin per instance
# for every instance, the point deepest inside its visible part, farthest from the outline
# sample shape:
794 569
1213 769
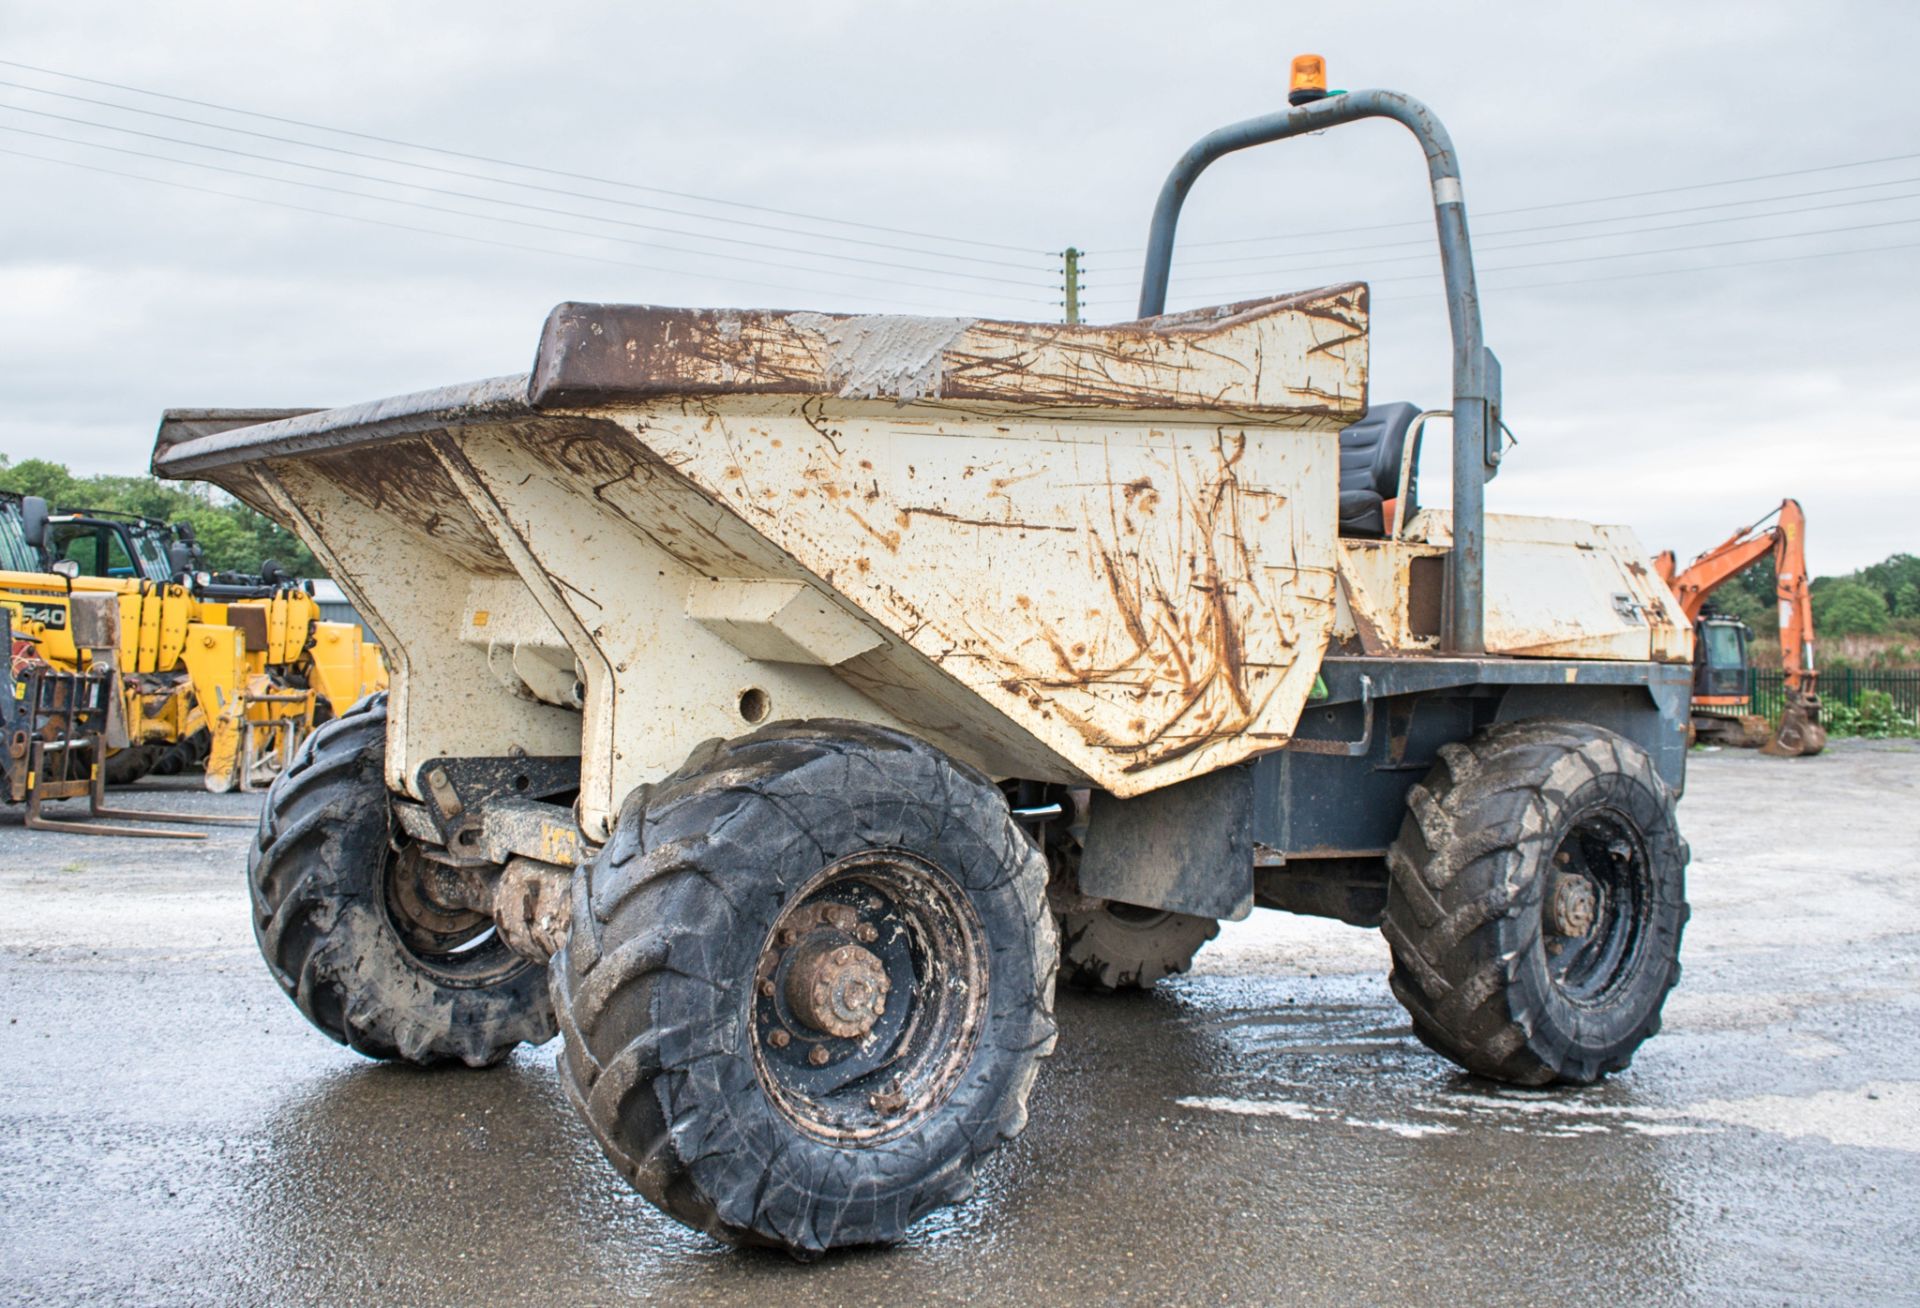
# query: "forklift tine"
142 815
35 822
38 821
98 806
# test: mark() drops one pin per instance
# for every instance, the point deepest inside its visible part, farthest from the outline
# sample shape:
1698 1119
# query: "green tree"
39 477
1891 573
1849 608
1739 602
1906 600
234 537
1749 596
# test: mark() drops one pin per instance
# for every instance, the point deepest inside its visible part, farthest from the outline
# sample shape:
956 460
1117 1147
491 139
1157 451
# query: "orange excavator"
1720 642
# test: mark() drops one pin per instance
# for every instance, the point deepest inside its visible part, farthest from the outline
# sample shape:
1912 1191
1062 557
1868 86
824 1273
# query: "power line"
495 218
1675 249
1536 208
1482 238
1670 272
1596 236
497 181
460 236
527 167
485 199
1642 254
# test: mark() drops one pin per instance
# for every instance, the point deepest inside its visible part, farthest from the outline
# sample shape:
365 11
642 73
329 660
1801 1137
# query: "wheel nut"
866 933
778 1038
766 988
819 1056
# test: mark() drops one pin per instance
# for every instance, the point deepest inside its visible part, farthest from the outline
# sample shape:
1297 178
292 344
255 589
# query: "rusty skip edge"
592 354
326 429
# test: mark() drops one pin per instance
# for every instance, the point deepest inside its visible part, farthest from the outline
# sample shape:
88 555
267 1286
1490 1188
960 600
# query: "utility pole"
1071 257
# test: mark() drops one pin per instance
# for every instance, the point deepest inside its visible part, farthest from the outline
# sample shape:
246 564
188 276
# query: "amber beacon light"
1309 81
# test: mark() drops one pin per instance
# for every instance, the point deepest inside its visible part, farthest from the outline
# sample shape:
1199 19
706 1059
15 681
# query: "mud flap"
1187 848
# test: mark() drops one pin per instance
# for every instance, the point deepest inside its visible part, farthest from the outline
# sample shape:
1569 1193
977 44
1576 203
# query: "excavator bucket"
1800 731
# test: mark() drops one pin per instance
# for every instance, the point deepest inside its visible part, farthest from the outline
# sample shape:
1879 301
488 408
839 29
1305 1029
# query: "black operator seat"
1370 453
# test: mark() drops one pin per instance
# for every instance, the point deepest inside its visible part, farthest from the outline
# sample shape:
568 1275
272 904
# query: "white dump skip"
1098 555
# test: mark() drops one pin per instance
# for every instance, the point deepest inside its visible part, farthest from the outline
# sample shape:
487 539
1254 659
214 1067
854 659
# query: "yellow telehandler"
61 700
229 670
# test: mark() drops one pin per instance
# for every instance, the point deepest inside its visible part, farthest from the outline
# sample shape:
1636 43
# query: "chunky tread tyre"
1118 947
317 874
1465 909
189 755
126 766
655 988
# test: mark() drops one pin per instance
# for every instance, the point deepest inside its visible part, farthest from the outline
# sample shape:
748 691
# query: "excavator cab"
1722 711
1720 660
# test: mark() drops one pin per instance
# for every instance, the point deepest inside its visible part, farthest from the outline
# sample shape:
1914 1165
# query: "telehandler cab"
781 701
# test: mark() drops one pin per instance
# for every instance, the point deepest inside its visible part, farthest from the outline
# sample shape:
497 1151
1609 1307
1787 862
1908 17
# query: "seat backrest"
1371 449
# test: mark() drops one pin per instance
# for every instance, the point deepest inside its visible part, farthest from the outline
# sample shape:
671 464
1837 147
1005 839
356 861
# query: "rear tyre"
1125 947
1536 902
808 985
126 766
347 934
188 755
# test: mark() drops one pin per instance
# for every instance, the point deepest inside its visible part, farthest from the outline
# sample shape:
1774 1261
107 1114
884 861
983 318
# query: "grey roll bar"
1476 373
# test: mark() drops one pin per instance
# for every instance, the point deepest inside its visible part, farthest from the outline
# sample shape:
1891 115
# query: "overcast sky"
1673 360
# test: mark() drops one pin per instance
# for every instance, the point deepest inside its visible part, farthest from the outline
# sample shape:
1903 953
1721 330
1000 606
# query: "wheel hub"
838 989
431 909
868 996
1594 913
1574 905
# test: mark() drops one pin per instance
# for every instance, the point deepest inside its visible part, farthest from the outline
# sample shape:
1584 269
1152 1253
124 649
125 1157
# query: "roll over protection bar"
1476 372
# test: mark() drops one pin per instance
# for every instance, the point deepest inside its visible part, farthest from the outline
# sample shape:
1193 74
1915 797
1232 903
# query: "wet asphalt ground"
1265 1130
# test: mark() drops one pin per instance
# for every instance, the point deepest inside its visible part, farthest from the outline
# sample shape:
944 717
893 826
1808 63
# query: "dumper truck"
782 702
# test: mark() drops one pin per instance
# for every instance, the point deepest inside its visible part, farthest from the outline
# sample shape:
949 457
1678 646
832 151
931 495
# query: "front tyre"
345 930
1536 902
808 986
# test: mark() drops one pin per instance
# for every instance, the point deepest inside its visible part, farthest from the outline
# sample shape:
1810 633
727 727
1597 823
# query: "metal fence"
1768 689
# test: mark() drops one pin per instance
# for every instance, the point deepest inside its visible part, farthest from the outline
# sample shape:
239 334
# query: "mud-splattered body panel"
1136 598
1098 555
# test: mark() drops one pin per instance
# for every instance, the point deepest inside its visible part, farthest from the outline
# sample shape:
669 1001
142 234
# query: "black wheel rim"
1594 907
457 947
894 919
